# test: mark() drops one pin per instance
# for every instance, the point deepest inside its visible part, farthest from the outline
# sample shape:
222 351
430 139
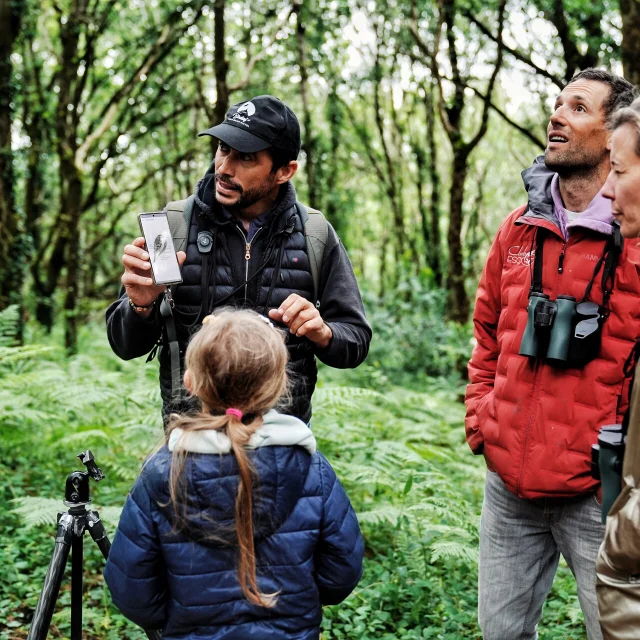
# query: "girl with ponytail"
237 528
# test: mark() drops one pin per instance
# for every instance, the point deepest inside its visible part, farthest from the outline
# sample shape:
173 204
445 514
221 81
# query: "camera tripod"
69 537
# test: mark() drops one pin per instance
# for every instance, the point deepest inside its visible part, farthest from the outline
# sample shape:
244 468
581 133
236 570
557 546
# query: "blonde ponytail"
237 363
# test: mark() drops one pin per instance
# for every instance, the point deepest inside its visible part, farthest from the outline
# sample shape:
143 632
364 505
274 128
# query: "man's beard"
247 197
575 163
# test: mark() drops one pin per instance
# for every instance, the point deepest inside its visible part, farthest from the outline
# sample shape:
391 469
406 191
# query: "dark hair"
279 158
628 115
621 91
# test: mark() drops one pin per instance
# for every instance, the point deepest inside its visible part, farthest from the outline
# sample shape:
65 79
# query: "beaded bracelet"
138 308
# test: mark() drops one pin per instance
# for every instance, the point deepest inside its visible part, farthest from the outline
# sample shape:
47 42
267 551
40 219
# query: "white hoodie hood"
277 429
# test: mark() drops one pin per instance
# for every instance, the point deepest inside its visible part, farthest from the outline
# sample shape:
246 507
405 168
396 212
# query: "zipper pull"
561 260
247 253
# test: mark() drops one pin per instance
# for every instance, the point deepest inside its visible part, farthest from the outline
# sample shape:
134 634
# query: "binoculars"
549 327
562 331
606 464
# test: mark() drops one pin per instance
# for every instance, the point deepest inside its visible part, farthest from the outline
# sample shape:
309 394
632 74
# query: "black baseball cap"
257 124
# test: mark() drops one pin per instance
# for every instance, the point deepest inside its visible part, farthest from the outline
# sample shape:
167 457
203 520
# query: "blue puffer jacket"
308 543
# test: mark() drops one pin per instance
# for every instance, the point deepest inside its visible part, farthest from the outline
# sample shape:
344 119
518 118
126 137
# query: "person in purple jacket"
237 527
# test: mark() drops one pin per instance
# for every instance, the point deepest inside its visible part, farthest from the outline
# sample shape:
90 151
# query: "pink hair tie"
235 412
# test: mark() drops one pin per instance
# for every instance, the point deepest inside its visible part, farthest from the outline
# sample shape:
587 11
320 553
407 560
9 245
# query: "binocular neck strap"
609 258
536 278
612 251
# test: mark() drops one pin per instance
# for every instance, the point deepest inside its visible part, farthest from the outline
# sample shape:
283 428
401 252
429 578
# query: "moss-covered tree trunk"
12 246
221 68
309 140
630 12
458 298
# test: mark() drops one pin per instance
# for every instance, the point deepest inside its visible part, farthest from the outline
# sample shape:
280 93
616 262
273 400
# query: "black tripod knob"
76 489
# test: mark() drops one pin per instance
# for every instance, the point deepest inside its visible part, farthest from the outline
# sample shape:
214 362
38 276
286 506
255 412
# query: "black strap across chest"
609 259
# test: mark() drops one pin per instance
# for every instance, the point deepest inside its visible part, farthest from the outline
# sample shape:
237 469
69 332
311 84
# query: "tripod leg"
99 535
76 586
98 532
47 601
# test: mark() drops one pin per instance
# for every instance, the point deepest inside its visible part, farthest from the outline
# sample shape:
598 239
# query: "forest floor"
400 453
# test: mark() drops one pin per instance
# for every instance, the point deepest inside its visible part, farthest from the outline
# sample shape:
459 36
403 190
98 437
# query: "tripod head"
77 491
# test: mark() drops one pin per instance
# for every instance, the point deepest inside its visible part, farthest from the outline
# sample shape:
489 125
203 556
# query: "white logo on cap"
248 108
244 113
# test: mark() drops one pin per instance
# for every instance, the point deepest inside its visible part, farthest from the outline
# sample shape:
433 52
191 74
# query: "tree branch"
492 81
162 46
518 55
366 143
431 57
130 192
260 55
525 132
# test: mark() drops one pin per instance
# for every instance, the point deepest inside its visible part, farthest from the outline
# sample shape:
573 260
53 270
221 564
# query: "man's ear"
188 381
285 173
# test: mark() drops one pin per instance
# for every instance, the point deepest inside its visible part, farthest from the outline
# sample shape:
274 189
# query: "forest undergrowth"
397 444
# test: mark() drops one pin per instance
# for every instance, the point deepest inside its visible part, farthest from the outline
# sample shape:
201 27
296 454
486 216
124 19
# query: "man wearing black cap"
248 246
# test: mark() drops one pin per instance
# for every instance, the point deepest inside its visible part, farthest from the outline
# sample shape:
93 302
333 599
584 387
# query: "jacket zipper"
247 258
536 379
561 258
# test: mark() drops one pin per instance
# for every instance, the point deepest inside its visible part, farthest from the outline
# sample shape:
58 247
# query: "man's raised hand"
137 278
303 319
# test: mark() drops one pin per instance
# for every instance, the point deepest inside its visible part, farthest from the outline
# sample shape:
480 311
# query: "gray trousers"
520 546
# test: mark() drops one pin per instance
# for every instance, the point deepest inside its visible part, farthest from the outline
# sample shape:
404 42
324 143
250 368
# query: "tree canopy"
416 116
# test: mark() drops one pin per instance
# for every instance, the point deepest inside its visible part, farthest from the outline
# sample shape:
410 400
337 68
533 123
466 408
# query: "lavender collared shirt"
597 216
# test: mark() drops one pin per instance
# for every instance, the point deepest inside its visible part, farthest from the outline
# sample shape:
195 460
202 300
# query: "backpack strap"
316 233
179 215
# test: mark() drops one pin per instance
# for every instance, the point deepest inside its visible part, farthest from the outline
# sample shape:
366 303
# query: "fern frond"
84 437
13 355
451 549
384 513
9 322
36 512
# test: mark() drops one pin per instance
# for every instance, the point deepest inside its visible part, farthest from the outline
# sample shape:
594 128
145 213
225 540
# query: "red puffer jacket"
535 423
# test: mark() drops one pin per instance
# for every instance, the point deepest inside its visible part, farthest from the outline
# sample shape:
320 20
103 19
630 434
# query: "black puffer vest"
273 266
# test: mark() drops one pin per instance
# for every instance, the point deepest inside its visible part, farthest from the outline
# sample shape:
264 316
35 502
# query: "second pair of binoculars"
552 325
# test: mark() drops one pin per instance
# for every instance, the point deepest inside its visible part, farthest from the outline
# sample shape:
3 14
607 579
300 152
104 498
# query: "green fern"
38 512
453 549
9 322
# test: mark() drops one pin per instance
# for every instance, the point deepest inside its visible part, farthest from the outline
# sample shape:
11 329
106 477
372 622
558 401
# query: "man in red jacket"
535 418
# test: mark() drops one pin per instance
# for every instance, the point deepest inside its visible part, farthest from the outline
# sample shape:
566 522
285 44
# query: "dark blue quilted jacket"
308 548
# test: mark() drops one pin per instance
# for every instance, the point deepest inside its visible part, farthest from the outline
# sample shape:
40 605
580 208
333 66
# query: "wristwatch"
139 308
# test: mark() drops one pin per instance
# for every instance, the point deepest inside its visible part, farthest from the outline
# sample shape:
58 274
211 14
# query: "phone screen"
162 255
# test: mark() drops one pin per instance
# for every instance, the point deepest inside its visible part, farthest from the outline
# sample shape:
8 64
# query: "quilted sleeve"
135 571
340 550
484 359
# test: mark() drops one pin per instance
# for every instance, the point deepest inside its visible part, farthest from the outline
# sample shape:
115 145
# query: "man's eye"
581 109
222 146
247 157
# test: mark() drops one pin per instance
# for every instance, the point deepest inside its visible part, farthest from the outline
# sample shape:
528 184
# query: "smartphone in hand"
162 254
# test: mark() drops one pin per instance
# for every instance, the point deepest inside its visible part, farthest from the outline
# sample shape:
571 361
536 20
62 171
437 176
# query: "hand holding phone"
137 277
162 255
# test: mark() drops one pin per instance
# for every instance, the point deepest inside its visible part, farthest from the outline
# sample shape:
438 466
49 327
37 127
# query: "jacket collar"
211 209
546 209
276 430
